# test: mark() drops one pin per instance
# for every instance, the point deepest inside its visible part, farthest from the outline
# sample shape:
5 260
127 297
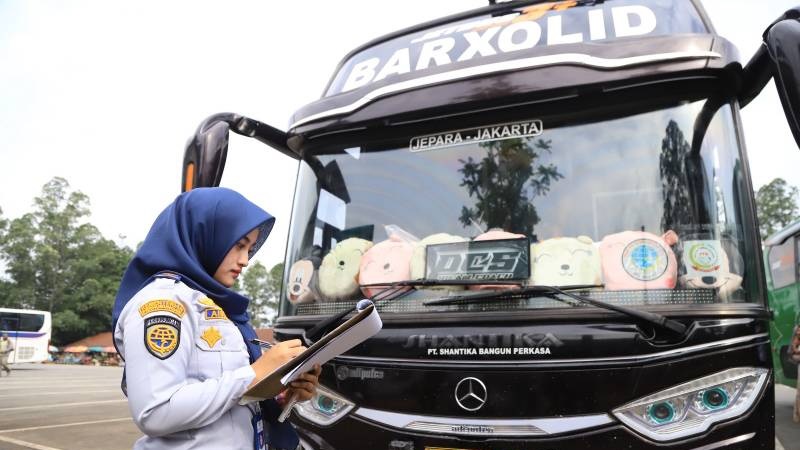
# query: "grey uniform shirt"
186 368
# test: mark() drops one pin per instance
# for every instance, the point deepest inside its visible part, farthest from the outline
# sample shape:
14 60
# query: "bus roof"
24 310
781 236
554 44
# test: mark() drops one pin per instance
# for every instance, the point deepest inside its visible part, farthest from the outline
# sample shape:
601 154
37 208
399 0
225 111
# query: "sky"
106 93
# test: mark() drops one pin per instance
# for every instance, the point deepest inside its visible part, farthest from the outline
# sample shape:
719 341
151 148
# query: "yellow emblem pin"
207 302
162 335
165 305
211 336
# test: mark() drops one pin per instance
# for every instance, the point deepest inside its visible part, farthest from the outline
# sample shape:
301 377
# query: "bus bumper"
754 431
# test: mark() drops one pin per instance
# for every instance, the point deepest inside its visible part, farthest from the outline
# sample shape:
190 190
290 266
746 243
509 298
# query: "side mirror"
783 44
206 151
778 58
204 158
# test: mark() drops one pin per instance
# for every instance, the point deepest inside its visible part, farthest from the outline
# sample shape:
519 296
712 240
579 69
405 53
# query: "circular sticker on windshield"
703 256
645 259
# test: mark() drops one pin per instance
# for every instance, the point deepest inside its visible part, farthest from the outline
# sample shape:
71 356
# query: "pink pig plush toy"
386 262
495 234
639 260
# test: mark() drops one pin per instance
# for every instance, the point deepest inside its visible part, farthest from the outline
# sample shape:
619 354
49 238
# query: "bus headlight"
691 408
325 407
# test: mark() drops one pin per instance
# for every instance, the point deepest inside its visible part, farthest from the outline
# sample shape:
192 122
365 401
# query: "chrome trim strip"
726 442
723 322
484 427
579 59
664 354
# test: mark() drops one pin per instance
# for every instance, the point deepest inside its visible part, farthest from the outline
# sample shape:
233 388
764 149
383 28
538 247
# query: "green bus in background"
781 253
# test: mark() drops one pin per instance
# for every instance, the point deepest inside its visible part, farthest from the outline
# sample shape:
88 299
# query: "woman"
185 336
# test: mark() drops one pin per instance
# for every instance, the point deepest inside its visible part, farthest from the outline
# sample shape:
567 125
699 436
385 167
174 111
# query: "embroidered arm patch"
165 305
162 335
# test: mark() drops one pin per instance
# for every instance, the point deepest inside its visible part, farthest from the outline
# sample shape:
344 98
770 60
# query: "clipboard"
365 324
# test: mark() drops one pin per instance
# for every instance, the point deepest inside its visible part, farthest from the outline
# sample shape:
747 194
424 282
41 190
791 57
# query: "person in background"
185 335
794 355
6 347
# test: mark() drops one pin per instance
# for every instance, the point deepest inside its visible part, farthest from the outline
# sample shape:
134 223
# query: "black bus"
550 205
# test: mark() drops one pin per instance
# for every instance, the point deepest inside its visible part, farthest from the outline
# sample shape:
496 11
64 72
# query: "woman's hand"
275 357
304 386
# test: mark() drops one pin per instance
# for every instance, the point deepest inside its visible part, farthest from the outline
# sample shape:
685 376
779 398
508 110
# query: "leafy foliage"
776 206
505 183
672 166
56 261
263 289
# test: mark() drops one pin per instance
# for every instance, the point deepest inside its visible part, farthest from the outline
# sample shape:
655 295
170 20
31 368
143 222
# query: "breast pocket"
221 348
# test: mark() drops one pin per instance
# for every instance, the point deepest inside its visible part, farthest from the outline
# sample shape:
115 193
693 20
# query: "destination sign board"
453 138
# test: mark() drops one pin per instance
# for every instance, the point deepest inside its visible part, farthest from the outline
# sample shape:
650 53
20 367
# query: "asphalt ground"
63 407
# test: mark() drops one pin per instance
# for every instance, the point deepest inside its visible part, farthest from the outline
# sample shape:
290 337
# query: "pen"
263 344
288 408
290 404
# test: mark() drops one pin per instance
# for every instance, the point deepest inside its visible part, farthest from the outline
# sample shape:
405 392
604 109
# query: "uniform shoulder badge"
162 335
165 305
205 301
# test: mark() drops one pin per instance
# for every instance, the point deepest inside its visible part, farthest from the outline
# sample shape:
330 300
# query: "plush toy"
565 261
495 234
708 267
639 260
386 262
418 261
303 280
338 273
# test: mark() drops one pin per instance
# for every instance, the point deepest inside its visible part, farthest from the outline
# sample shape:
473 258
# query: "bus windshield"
629 204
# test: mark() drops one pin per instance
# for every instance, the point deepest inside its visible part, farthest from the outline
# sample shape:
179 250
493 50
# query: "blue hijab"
191 238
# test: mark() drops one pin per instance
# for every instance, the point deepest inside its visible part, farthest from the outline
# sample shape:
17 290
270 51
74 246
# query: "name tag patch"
162 335
214 314
165 305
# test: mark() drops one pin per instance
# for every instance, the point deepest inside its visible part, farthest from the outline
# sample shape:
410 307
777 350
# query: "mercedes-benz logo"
471 394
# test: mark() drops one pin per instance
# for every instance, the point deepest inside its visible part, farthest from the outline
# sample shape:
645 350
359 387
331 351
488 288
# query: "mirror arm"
251 128
756 74
263 133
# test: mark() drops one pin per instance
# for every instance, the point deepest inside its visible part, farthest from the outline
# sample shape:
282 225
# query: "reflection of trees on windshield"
504 184
677 204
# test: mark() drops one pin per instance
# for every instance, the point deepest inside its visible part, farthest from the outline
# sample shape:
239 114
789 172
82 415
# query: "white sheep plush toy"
338 273
708 267
566 261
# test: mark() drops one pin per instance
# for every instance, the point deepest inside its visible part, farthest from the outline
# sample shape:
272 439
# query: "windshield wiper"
553 292
392 291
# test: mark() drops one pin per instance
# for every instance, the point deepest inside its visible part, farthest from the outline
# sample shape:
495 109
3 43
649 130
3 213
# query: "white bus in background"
29 330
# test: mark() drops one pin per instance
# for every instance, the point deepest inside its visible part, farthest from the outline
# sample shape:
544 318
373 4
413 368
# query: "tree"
505 183
58 262
262 287
776 206
674 183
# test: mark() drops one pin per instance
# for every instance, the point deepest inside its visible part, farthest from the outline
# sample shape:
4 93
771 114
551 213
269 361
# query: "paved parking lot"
55 407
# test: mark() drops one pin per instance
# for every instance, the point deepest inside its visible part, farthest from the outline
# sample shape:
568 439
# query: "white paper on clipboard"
355 330
355 335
